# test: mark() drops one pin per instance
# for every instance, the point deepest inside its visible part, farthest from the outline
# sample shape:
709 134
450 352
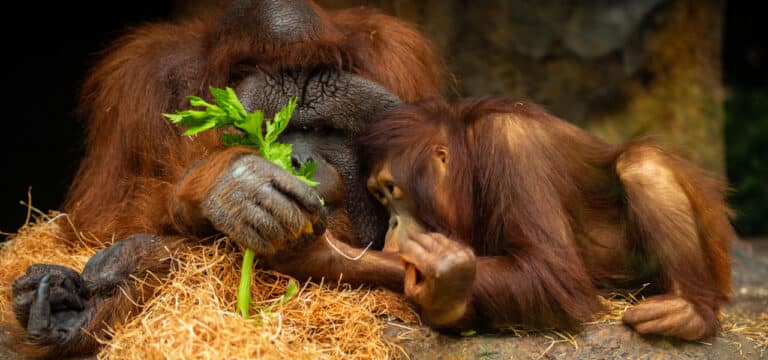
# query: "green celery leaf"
193 130
279 154
228 101
236 104
280 122
175 118
199 102
251 125
290 292
220 96
187 117
311 183
308 169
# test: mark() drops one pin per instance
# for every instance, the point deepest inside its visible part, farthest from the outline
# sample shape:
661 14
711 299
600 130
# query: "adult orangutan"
148 187
506 214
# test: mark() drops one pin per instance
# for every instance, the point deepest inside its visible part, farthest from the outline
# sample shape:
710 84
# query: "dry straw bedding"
193 313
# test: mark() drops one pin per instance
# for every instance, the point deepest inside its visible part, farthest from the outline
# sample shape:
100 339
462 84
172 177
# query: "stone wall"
620 68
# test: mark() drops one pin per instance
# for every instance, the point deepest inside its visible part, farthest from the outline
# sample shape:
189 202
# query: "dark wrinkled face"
333 107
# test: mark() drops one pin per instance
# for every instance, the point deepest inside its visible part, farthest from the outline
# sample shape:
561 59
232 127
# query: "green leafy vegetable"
290 292
266 311
228 111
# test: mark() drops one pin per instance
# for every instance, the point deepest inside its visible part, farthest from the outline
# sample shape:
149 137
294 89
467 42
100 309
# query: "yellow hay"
193 313
750 325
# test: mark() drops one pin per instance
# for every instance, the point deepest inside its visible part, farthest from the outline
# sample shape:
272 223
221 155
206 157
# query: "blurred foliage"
746 133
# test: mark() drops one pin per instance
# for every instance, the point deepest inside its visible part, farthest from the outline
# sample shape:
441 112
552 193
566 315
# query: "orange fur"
536 198
135 158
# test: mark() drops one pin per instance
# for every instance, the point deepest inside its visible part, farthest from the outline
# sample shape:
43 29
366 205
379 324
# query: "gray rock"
599 27
531 28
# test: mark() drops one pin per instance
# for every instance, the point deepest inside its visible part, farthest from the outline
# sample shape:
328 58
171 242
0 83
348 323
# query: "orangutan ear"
441 154
440 158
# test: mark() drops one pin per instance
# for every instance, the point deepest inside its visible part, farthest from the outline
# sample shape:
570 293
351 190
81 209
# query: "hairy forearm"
526 290
320 260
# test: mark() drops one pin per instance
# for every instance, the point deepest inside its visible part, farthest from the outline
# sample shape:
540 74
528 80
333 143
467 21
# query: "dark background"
50 47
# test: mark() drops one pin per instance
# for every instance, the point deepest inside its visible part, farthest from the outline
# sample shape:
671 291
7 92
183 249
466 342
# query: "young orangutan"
506 214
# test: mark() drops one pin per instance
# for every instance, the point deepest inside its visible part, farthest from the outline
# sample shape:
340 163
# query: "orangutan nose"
382 185
394 221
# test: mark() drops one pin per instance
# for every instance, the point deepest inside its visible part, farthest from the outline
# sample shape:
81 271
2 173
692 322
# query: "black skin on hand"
54 303
264 208
51 301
